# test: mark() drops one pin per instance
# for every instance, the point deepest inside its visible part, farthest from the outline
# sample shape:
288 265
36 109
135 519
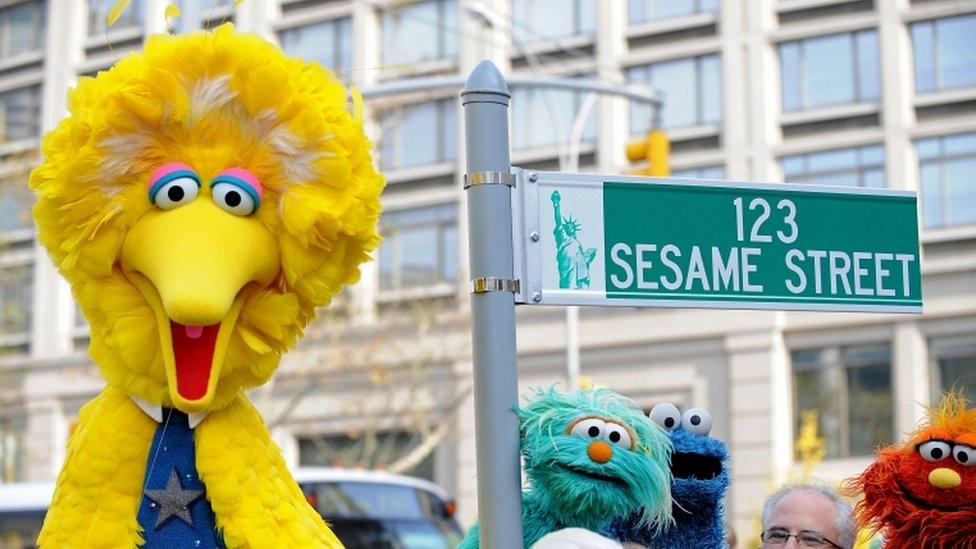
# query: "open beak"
191 264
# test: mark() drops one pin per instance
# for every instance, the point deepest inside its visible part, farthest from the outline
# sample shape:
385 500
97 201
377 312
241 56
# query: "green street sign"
585 239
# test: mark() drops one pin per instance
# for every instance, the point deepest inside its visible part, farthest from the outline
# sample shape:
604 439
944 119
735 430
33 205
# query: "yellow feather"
116 11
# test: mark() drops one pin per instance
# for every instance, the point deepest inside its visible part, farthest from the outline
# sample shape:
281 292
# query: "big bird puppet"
923 493
202 198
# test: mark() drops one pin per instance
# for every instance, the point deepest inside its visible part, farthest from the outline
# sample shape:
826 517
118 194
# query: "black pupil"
593 431
175 193
615 437
937 453
669 422
232 198
963 457
695 420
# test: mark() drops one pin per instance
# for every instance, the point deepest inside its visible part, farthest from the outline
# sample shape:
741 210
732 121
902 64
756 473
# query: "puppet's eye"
964 455
934 450
172 185
618 435
697 421
666 415
590 428
237 191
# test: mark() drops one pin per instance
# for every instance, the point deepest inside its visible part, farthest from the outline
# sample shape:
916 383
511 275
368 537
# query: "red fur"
888 507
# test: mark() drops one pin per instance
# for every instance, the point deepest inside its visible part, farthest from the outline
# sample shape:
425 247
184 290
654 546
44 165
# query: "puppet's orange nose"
944 478
599 451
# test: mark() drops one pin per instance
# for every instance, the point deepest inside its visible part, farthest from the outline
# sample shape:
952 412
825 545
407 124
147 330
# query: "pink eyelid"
167 169
247 177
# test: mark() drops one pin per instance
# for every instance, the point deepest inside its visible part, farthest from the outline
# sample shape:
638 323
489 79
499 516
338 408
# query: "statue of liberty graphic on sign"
572 259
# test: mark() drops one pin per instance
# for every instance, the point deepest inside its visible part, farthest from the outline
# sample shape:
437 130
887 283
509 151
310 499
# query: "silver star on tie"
173 500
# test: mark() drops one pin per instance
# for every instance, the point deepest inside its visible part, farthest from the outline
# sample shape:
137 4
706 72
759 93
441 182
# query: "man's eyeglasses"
805 538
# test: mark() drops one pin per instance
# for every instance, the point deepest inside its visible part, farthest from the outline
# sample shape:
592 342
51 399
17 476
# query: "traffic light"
656 149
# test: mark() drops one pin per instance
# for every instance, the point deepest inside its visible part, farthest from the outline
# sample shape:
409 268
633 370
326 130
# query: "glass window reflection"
651 10
948 190
98 16
326 42
853 167
419 31
538 20
419 247
22 28
418 134
694 84
829 70
20 113
943 53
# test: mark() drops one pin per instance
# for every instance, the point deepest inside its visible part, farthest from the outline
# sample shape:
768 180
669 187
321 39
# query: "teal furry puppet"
590 457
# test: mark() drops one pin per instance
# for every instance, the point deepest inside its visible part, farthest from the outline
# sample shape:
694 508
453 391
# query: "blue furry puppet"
589 456
700 478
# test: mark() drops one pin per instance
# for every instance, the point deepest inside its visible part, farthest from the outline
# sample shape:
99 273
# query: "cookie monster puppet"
203 197
922 493
699 481
589 456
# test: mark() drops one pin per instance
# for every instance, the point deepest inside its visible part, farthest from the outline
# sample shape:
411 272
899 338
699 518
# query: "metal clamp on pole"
494 284
488 178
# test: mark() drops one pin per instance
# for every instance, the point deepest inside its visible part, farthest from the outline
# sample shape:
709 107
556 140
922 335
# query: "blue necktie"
174 512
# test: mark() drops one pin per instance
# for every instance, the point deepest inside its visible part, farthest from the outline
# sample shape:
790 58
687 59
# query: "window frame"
440 286
700 100
444 154
934 60
967 348
856 69
859 169
443 27
520 28
697 10
941 160
334 24
40 30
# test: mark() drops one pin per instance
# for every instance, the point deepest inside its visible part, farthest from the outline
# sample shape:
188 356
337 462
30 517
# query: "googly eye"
618 435
233 199
237 191
934 450
173 185
666 415
697 421
964 455
589 428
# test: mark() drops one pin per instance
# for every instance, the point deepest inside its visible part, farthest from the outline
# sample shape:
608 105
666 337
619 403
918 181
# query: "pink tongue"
194 332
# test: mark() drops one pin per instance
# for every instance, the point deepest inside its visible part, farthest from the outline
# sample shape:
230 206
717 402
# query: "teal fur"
559 495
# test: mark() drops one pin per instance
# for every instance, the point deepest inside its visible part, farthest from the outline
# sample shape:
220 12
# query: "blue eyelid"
241 184
171 176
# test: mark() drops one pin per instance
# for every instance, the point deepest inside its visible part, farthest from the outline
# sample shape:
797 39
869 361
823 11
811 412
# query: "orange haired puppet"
923 493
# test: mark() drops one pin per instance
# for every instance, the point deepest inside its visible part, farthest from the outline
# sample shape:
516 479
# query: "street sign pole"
489 183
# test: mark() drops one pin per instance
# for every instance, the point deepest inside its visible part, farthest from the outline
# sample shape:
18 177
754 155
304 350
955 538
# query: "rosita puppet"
202 197
590 457
922 493
699 481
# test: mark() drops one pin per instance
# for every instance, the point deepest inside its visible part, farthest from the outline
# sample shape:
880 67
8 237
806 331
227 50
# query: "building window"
16 279
328 43
420 247
419 134
539 20
16 201
652 10
532 117
829 70
854 167
944 53
21 28
692 91
704 172
12 450
20 113
953 365
946 166
420 31
850 389
98 16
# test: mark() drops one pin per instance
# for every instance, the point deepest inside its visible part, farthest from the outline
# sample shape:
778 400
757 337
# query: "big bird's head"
203 197
924 491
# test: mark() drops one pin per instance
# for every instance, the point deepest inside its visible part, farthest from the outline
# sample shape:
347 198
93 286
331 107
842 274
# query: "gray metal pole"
485 99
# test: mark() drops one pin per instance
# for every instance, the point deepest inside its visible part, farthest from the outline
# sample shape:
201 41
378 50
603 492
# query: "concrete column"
611 46
761 89
897 93
910 376
52 321
736 88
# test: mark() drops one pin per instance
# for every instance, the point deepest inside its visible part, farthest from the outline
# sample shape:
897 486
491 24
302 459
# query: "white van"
366 509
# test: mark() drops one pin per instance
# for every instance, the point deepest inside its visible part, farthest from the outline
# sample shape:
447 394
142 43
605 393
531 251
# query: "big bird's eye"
697 421
964 455
618 435
666 415
237 191
173 185
934 450
589 428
